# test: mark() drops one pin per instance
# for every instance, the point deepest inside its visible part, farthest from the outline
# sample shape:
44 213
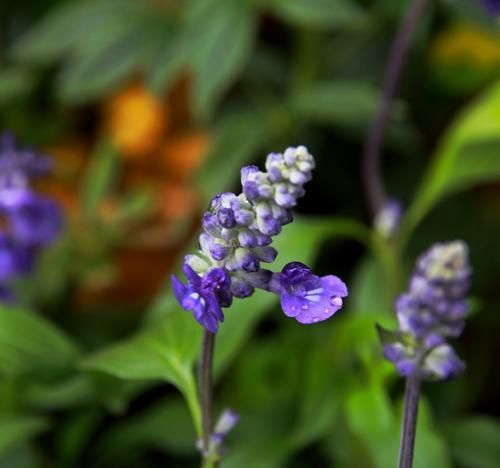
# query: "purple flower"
28 221
388 219
492 6
236 238
307 297
204 296
35 221
433 309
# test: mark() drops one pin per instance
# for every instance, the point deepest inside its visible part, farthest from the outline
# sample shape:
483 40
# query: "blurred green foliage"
79 391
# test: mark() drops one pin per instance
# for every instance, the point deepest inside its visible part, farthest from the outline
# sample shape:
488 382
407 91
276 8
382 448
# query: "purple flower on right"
433 309
492 6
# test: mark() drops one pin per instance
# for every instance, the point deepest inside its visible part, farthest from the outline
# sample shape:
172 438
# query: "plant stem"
205 389
409 429
371 174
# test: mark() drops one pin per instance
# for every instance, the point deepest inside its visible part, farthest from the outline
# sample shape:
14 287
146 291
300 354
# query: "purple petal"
292 305
191 275
179 289
334 286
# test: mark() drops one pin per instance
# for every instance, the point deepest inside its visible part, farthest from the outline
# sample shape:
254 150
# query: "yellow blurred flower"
136 121
467 44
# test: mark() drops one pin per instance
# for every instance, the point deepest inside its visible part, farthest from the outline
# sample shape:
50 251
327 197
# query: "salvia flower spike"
29 221
238 231
433 309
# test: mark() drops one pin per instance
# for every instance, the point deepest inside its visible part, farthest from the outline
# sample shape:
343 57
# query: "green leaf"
372 419
15 83
14 430
164 352
340 102
66 27
368 291
163 426
474 441
237 139
99 176
224 49
319 13
100 68
30 345
467 155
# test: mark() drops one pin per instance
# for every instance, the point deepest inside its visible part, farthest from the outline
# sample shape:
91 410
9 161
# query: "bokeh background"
149 108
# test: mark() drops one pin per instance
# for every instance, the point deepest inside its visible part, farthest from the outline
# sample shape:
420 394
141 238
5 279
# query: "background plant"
101 390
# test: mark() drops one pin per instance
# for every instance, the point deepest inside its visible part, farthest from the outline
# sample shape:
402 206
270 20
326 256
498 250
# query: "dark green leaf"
343 103
15 83
226 39
89 74
237 139
324 13
64 28
474 441
30 345
165 351
165 425
14 430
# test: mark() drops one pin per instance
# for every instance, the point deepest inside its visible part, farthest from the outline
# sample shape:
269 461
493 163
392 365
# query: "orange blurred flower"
183 154
136 121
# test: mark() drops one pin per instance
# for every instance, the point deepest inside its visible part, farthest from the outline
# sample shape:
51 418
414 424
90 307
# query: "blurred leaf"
99 176
320 402
88 76
370 417
367 291
237 139
15 83
474 441
67 26
74 391
166 66
75 433
341 102
165 425
164 352
467 155
319 13
30 345
225 41
261 440
14 430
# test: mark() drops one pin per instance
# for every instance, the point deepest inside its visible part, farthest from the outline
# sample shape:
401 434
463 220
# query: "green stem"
191 397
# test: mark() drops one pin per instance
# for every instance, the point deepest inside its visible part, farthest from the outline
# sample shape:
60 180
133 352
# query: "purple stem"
205 388
371 174
409 429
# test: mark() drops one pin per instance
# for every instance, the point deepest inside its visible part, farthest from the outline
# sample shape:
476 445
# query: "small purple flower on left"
29 221
236 238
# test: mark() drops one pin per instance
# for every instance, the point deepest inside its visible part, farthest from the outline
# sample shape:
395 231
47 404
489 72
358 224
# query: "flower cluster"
432 310
225 424
28 220
387 221
236 239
